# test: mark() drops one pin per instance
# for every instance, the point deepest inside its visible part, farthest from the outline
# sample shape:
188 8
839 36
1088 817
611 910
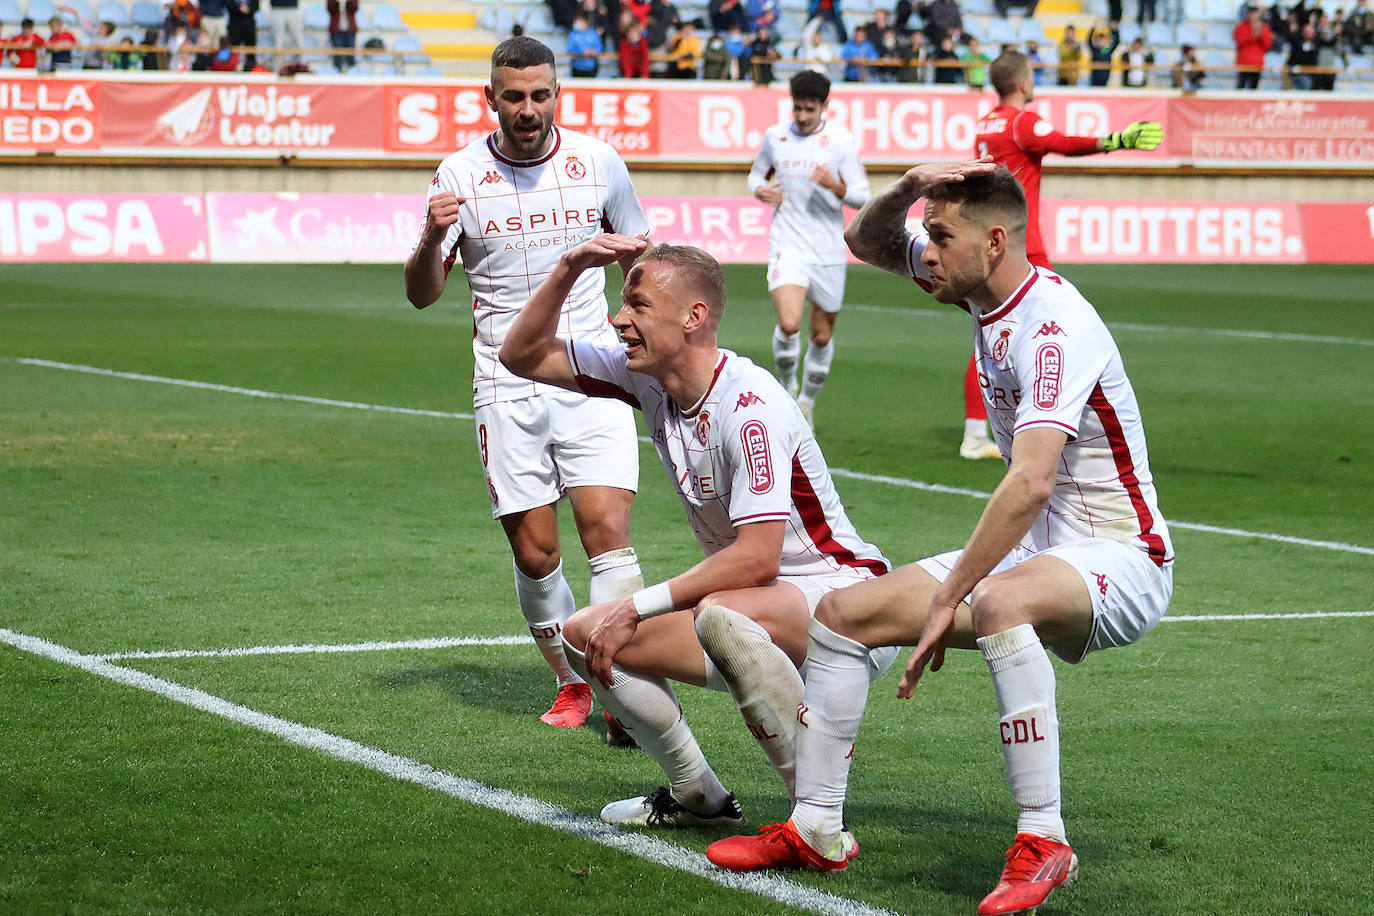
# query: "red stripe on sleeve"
813 517
1125 469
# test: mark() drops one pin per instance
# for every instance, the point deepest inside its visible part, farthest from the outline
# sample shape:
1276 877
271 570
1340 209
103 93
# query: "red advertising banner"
381 228
103 227
657 121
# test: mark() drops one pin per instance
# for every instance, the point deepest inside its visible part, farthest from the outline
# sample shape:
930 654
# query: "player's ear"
697 315
996 241
491 97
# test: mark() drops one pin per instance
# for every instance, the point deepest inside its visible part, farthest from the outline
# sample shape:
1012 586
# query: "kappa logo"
1050 329
754 437
576 170
1001 345
703 426
1101 583
748 399
802 710
492 177
435 182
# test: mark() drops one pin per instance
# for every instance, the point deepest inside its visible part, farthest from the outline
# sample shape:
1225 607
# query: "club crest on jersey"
748 399
1049 374
492 177
703 426
754 437
576 170
1049 329
1001 345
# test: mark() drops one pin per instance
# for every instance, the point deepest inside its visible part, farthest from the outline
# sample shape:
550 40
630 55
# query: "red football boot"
780 846
1036 865
570 707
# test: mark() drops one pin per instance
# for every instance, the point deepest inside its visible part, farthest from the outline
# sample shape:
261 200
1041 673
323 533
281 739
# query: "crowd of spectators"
195 35
925 42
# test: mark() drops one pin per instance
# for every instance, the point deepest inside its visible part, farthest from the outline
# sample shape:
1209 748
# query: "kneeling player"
1071 553
758 495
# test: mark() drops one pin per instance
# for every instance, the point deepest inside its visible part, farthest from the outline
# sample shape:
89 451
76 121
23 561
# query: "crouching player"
1071 554
758 496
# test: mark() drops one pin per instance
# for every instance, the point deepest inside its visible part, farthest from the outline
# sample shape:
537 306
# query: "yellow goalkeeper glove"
1140 135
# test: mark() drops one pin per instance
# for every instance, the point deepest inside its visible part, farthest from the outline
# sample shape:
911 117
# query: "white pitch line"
838 472
1311 615
312 648
1149 328
404 769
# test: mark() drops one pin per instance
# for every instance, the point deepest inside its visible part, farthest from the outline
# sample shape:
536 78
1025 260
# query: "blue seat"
539 20
1031 31
386 18
363 19
1001 32
1158 34
147 14
1185 33
977 7
40 11
263 19
496 19
412 48
81 9
430 72
316 17
1218 35
1129 32
11 12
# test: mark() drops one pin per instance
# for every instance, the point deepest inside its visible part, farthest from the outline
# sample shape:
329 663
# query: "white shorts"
824 283
1129 592
814 588
535 448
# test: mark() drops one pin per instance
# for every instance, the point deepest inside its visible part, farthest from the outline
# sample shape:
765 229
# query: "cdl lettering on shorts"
755 439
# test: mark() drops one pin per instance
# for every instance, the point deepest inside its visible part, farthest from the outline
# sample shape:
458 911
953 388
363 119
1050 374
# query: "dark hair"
700 272
808 84
1009 69
519 53
988 199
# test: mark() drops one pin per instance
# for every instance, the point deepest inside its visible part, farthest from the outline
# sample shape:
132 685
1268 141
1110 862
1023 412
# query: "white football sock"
837 678
816 369
647 708
786 352
1023 680
546 603
763 681
615 575
976 429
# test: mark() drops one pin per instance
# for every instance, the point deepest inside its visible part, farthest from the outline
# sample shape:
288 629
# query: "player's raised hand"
822 176
443 212
611 635
930 650
920 179
771 193
607 248
1140 135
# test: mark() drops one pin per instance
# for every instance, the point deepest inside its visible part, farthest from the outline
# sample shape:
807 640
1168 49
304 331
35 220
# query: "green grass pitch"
1219 766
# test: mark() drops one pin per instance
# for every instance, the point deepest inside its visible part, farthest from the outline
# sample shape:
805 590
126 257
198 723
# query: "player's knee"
835 613
821 335
536 560
997 604
577 629
789 325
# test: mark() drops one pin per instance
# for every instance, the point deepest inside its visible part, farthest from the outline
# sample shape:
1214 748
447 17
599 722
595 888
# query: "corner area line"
318 649
403 769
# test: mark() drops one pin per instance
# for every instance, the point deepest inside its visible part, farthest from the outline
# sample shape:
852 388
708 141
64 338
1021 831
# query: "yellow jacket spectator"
1070 58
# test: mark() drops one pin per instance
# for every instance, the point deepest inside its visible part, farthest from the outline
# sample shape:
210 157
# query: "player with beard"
509 205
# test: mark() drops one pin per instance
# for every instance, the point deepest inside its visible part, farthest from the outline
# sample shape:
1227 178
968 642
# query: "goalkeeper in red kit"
1019 140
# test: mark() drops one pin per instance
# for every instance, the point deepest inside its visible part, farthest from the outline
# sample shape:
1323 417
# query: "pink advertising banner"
380 228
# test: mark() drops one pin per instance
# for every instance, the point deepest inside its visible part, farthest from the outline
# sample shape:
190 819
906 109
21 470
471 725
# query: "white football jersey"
518 219
741 454
810 219
1046 359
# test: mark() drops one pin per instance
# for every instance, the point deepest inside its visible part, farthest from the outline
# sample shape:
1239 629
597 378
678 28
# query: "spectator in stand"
1070 57
1102 44
1136 62
212 19
881 22
1303 53
243 28
226 58
856 53
343 31
98 58
762 52
738 45
634 50
157 59
201 51
182 13
288 31
762 13
976 62
605 23
1033 55
1253 39
1145 11
60 43
1329 40
584 47
1188 73
725 15
828 11
885 49
911 51
22 49
125 57
663 18
1004 6
941 18
716 62
815 51
685 52
948 69
1359 27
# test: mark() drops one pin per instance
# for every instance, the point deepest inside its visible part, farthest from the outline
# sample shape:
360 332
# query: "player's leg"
976 443
827 294
756 638
642 700
522 484
787 282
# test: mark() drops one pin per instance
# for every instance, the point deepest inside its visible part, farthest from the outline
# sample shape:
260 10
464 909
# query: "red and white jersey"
810 219
518 219
1019 139
740 455
1046 359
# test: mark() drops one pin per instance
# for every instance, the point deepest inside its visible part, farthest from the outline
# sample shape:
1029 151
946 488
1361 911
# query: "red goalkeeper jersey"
1019 139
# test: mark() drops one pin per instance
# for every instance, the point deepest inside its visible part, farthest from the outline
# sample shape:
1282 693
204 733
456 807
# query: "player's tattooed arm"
878 235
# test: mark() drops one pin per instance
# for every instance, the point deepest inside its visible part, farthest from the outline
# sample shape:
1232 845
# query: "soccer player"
1019 139
805 171
758 496
509 205
1071 554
